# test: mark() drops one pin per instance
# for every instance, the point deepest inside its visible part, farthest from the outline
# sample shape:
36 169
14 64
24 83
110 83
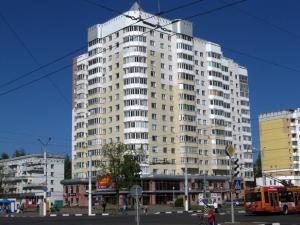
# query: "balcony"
33 186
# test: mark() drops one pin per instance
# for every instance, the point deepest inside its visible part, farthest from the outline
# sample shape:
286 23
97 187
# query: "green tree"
122 165
4 155
257 167
68 167
18 153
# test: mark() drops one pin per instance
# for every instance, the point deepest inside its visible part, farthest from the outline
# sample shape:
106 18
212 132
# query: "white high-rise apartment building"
163 92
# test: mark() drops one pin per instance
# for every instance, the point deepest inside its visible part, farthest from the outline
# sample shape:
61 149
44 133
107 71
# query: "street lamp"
44 148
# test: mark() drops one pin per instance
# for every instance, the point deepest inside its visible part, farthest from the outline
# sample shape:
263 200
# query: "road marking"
157 213
105 214
180 212
53 215
190 211
241 211
168 212
78 214
222 214
65 214
194 214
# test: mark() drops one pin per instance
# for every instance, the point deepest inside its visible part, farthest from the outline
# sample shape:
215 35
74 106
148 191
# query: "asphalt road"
170 219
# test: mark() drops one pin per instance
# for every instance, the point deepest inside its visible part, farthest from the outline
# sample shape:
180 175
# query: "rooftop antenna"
158 14
140 13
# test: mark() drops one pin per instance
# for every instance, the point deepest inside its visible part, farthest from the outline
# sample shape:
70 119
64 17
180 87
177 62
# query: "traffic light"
236 167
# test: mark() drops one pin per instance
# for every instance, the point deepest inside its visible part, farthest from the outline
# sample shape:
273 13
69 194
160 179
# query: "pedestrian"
216 206
146 210
125 208
211 219
103 205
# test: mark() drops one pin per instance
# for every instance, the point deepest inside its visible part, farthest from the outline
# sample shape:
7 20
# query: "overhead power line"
162 27
32 56
265 21
262 59
84 46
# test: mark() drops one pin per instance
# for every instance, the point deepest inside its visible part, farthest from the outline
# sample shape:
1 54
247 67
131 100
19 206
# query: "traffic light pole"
231 190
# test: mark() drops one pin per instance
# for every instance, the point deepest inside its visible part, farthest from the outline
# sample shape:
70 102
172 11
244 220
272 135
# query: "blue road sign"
237 185
205 201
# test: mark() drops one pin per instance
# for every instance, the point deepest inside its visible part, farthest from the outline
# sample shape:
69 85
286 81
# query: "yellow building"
279 134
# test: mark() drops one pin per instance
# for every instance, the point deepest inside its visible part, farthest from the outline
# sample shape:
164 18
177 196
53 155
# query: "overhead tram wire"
161 27
17 36
265 21
84 46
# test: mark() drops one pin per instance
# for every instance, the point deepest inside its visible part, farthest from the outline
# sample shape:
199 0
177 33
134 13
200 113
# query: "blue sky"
52 28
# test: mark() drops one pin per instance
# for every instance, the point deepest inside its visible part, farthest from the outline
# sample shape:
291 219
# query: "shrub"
179 202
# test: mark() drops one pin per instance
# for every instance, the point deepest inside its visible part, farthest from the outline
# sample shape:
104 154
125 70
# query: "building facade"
279 142
170 96
157 189
24 177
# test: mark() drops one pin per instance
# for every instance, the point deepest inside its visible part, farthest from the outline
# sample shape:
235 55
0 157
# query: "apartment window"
164 139
162 76
52 181
164 128
52 174
162 55
52 189
151 43
154 138
52 166
162 65
154 126
162 45
161 35
153 116
165 150
152 53
154 149
173 150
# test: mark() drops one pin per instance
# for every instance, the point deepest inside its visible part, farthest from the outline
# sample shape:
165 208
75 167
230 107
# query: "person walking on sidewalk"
211 218
103 205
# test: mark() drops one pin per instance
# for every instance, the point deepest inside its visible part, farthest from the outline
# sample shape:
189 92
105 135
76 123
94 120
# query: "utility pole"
90 185
44 148
186 191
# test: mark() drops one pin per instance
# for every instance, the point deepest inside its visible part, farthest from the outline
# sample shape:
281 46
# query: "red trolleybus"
285 199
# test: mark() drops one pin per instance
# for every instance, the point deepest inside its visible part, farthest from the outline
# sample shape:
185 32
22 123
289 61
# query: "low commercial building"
157 189
24 178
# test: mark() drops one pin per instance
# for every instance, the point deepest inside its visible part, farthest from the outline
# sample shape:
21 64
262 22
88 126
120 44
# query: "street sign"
237 186
136 191
229 150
